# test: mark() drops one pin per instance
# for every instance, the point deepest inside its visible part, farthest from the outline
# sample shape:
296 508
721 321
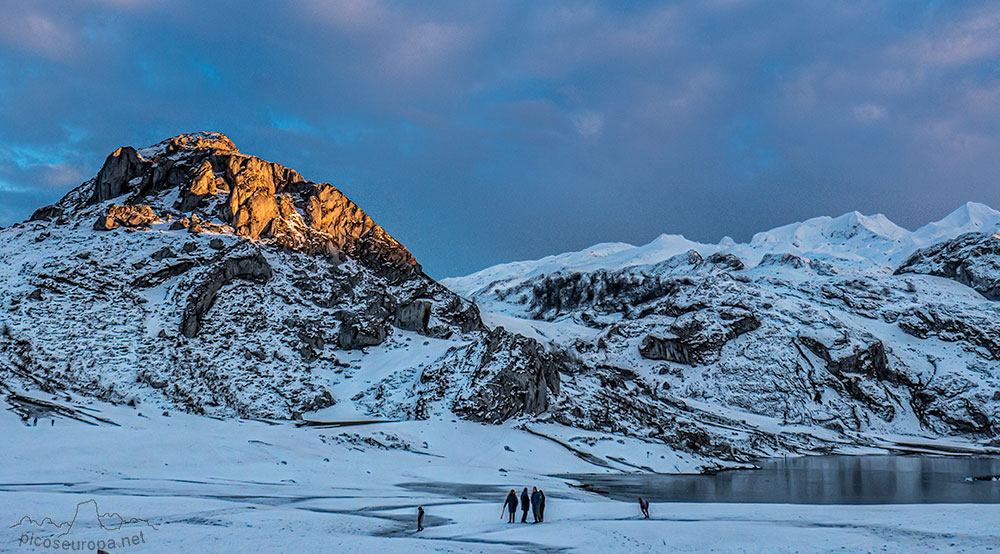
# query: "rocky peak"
204 177
210 140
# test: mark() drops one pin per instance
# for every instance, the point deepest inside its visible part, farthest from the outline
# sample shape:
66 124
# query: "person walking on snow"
644 506
420 518
525 505
510 505
541 505
536 500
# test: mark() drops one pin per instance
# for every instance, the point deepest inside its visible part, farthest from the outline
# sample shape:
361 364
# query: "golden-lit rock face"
216 142
252 204
327 210
205 181
128 216
261 200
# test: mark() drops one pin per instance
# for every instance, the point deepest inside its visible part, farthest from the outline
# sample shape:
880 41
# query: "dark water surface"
818 480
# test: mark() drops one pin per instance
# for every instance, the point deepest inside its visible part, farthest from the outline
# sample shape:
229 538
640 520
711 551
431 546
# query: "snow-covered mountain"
853 241
189 275
832 323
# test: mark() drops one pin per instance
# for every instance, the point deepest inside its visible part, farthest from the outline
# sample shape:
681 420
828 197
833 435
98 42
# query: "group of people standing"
535 501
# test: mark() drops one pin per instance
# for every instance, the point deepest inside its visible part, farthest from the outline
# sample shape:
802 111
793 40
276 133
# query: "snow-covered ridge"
853 240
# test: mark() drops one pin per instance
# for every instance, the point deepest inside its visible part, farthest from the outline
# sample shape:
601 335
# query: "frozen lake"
196 484
818 480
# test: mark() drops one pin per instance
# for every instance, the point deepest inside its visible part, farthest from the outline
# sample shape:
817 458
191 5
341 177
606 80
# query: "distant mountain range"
853 240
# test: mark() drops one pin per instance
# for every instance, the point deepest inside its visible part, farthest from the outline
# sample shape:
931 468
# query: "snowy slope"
972 217
599 256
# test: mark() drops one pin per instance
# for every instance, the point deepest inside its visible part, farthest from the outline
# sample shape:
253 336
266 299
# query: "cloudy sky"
484 132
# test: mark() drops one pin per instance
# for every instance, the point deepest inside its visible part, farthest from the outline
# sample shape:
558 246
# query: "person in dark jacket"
536 501
420 518
510 505
644 506
525 505
541 505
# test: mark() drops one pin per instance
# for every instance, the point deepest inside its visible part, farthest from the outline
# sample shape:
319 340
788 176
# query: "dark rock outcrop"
668 348
160 276
116 176
357 332
797 262
46 213
253 267
498 376
863 355
725 260
698 336
311 340
413 316
510 375
163 253
458 312
604 291
857 366
964 327
972 259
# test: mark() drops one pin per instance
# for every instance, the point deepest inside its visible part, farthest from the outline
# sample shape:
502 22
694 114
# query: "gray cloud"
483 132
